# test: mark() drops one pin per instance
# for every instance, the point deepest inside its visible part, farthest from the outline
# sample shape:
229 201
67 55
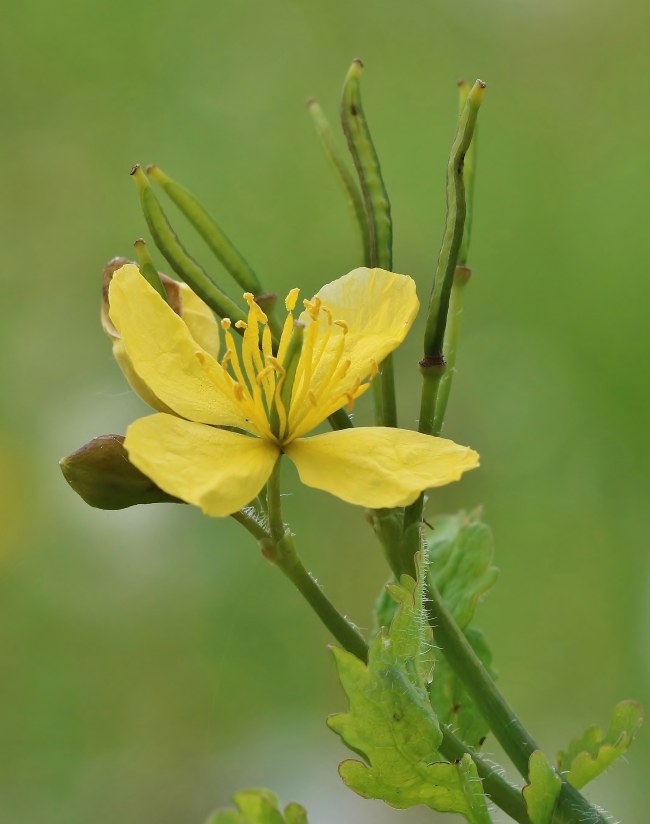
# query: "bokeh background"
152 662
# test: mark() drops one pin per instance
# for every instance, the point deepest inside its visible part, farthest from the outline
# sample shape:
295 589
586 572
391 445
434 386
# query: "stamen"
239 391
343 326
226 323
312 398
261 376
226 358
329 315
241 324
254 307
291 299
275 363
374 369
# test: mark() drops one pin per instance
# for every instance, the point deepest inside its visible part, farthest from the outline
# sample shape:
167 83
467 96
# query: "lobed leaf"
589 756
392 725
542 792
259 807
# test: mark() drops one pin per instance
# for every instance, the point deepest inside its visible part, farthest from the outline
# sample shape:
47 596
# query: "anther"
374 369
275 364
241 324
226 358
268 370
291 299
343 326
226 323
200 356
312 398
239 391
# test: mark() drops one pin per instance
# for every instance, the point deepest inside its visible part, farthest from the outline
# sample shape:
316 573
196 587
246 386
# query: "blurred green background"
152 662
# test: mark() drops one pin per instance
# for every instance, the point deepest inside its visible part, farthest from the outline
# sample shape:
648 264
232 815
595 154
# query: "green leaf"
588 756
450 699
542 792
460 554
391 724
259 807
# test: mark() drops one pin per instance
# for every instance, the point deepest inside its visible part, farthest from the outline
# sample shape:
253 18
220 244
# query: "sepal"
100 472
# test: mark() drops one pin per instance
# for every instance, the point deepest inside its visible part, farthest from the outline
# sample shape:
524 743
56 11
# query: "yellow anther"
350 398
226 358
255 308
275 364
239 391
313 307
342 370
374 369
268 370
343 326
291 299
312 398
226 323
200 356
330 317
241 324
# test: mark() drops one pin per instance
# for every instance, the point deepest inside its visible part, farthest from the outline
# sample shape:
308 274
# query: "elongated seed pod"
209 230
454 225
355 126
469 176
350 188
148 270
180 261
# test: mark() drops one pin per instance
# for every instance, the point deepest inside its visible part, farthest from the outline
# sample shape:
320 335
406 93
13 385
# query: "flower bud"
100 472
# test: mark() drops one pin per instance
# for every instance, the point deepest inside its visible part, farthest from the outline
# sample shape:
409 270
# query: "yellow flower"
349 328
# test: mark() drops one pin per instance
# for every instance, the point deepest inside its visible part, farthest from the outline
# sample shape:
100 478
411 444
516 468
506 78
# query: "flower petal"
163 353
200 320
378 466
218 470
362 317
378 308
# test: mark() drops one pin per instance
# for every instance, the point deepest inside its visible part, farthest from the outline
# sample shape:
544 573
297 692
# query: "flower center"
289 388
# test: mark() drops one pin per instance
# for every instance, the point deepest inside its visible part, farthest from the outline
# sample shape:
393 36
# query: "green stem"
281 551
500 791
506 726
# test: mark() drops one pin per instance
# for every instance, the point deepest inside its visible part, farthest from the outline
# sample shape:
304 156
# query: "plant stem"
572 807
278 547
500 791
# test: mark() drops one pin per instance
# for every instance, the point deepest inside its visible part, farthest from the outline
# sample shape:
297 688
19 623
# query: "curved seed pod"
209 230
469 176
355 126
347 181
181 262
380 225
100 472
455 222
147 269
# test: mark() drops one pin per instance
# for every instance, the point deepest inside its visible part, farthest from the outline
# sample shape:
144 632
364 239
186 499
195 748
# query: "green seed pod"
347 181
100 472
355 126
209 230
181 262
147 269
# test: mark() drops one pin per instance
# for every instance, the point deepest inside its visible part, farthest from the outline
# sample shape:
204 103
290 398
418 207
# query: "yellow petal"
200 320
376 309
378 466
218 470
135 381
164 354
